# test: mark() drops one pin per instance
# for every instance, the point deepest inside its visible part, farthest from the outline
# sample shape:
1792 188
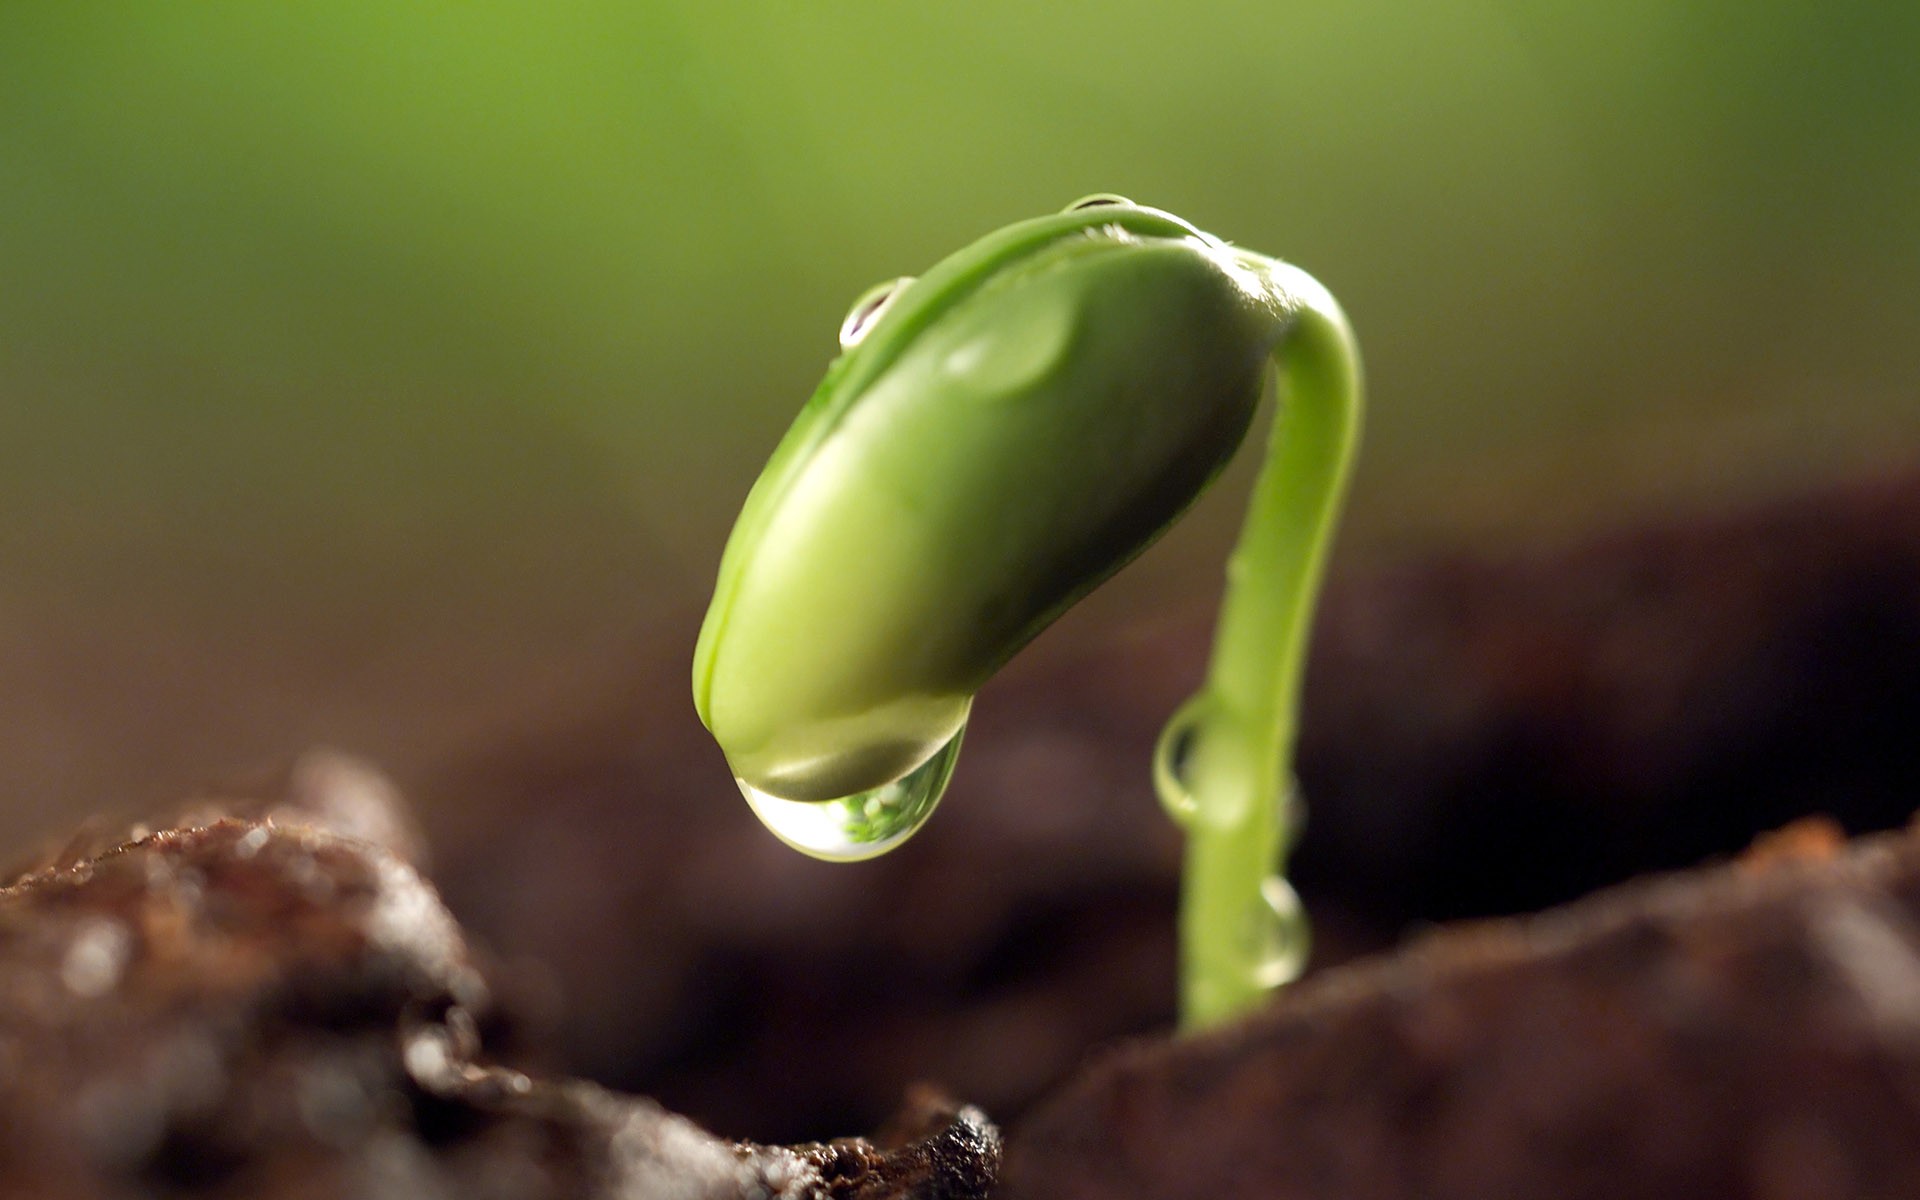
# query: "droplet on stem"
1277 934
1173 755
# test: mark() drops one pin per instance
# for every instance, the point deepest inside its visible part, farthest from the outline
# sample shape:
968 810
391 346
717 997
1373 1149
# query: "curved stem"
1241 933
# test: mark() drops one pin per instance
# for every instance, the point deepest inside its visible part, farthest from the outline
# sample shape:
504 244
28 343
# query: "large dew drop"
865 824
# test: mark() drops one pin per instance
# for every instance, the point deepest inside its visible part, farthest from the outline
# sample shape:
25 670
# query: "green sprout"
998 438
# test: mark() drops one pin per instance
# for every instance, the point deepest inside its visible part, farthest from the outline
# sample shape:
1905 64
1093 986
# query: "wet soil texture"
1745 1033
267 1004
1485 734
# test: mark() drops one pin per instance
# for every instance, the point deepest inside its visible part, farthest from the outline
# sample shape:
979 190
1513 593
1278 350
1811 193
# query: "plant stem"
1237 769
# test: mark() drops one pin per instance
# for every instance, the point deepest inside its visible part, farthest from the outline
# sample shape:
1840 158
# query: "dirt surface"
268 999
274 1003
1484 735
1746 1033
251 1001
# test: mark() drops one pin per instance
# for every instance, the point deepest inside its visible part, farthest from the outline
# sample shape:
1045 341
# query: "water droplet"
1173 754
1098 200
865 824
1277 934
867 310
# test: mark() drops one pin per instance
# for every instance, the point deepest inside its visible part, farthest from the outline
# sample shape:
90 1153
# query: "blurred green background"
388 375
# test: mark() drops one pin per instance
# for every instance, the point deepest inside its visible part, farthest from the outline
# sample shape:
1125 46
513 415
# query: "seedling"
996 439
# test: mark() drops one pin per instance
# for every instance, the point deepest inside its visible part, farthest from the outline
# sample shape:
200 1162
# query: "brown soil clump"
275 1003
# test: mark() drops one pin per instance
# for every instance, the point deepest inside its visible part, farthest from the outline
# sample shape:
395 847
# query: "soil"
1486 734
258 1001
262 1004
1745 1033
267 998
